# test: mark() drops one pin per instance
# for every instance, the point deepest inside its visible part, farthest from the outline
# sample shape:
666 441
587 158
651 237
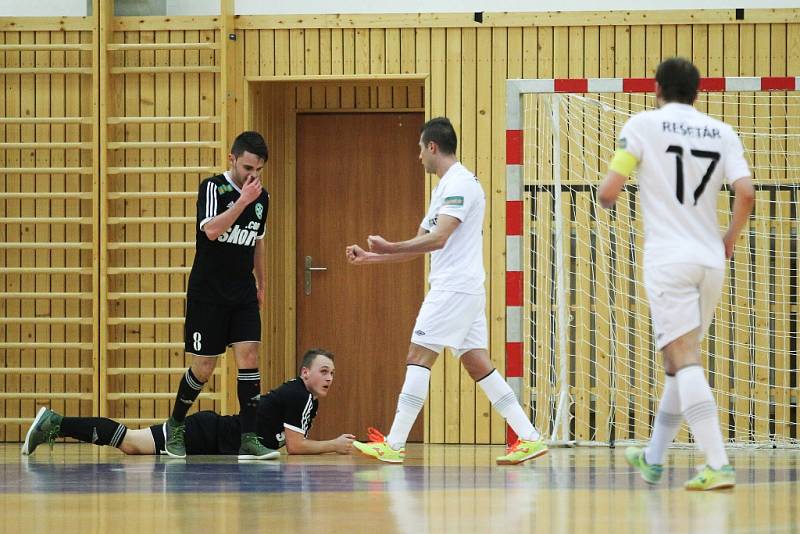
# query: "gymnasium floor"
86 489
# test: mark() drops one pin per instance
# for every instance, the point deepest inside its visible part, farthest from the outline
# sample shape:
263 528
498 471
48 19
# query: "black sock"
248 387
187 392
95 430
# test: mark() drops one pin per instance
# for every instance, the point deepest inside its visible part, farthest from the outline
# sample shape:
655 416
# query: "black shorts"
207 432
210 327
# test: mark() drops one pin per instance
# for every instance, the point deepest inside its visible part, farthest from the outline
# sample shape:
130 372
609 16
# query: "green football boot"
44 429
712 479
175 445
252 449
651 473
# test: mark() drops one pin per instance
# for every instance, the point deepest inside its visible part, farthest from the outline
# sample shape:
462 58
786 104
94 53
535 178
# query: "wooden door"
358 174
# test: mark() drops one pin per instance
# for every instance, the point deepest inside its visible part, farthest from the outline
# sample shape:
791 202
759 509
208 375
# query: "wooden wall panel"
482 167
164 139
47 213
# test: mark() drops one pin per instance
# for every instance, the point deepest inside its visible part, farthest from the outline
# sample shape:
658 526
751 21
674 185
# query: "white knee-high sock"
409 403
700 410
667 423
505 402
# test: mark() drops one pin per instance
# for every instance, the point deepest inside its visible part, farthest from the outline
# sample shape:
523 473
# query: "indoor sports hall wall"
48 219
106 242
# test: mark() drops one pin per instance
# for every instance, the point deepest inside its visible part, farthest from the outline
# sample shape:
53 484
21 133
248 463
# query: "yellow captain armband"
623 163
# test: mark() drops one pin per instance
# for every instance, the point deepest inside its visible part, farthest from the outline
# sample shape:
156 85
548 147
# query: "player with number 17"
683 158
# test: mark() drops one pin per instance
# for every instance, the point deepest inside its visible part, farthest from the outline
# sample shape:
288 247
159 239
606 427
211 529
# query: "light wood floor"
86 489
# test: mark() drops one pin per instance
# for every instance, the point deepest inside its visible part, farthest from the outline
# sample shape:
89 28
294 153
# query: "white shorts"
454 320
682 297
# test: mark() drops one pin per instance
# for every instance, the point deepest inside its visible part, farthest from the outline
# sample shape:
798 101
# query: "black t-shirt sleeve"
264 199
207 202
298 412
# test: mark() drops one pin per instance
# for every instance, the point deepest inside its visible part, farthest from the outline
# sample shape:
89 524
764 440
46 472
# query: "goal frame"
516 89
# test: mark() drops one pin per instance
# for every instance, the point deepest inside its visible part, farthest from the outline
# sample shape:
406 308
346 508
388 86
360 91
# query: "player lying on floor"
284 417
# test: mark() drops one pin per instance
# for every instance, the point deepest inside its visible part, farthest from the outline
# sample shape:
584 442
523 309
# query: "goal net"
591 371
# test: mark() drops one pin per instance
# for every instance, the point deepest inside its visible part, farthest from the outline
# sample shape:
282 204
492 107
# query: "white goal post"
579 347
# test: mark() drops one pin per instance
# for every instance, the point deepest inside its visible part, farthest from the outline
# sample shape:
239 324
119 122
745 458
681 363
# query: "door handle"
309 269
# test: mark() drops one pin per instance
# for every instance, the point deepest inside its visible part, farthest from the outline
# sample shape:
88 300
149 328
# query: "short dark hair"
679 80
250 142
311 355
440 130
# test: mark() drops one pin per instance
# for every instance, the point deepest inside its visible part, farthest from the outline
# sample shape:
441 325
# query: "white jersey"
684 157
459 265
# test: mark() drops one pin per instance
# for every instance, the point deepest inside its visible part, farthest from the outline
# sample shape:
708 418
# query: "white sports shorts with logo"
682 296
454 320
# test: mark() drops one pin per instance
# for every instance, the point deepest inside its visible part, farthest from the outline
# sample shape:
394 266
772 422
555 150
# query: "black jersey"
223 268
290 406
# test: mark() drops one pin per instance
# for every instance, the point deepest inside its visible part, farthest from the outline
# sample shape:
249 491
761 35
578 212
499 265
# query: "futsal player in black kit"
285 415
223 299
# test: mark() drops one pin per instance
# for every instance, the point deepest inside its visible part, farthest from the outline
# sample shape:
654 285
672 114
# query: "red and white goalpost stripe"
647 85
514 181
514 261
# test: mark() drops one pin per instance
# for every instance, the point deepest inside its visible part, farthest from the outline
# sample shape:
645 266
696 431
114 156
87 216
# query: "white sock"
505 402
409 403
700 410
667 423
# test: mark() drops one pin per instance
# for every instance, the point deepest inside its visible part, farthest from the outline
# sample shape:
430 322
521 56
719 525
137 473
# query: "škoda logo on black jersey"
241 236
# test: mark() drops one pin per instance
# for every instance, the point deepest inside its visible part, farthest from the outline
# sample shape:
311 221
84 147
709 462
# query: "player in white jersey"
453 314
684 157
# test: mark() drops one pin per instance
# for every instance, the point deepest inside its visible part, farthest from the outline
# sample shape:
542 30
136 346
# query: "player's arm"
219 224
425 242
259 270
297 443
620 169
357 255
422 243
744 197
